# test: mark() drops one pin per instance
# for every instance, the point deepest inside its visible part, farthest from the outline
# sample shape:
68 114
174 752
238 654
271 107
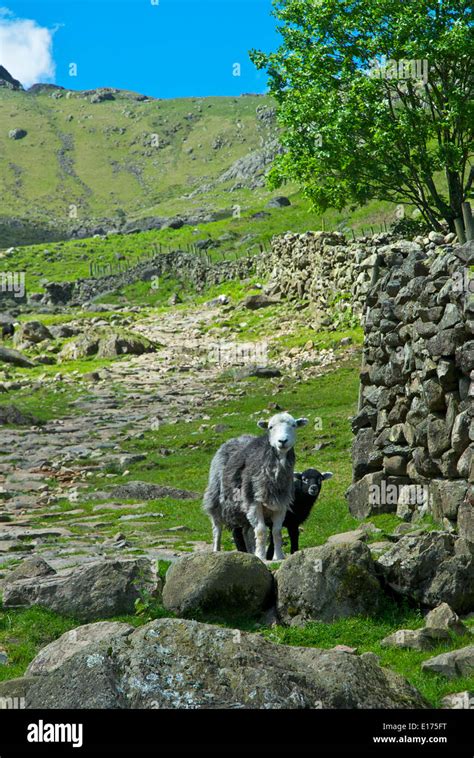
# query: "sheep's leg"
294 534
271 547
216 534
239 540
249 539
277 525
255 516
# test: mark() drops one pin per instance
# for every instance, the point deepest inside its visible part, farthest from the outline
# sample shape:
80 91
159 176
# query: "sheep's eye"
270 427
305 480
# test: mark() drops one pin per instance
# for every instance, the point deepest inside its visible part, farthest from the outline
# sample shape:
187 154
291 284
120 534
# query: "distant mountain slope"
103 152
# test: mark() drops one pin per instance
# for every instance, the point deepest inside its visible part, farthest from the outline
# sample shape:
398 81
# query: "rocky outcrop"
219 584
7 80
175 664
326 583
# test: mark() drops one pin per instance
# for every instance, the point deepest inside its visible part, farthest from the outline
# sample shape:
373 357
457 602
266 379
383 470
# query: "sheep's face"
311 481
282 430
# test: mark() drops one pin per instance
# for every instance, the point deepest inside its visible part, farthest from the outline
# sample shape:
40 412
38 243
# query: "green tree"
375 99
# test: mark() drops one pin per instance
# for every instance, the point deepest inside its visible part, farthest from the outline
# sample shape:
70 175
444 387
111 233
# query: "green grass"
365 634
44 403
24 633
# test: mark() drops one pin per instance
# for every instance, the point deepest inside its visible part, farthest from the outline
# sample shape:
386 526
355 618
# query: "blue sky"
175 48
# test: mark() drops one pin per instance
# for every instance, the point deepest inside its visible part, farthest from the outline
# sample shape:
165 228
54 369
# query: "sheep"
251 478
307 488
8 329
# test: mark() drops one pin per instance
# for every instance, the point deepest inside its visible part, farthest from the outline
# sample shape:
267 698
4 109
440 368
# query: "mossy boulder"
328 582
176 664
218 584
106 343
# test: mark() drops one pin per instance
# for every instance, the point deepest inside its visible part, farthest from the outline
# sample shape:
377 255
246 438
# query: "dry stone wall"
325 269
414 430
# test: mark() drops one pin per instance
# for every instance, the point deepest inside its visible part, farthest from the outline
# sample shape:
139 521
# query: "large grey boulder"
82 346
56 653
431 568
106 343
327 582
114 343
97 590
218 583
32 331
455 663
8 355
175 664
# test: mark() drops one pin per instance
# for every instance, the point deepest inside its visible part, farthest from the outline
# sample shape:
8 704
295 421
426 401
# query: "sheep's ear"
302 421
262 424
297 476
327 475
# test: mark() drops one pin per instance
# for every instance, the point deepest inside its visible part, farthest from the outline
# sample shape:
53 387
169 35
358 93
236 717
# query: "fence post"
468 221
459 226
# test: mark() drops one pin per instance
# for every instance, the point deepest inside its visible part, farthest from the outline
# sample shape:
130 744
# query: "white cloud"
26 49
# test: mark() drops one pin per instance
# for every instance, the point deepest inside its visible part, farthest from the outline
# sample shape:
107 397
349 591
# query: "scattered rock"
97 590
218 583
431 568
455 663
443 617
10 414
31 568
254 302
17 134
147 491
327 582
8 355
32 331
278 202
416 639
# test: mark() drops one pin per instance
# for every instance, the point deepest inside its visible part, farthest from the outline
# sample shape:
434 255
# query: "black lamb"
307 488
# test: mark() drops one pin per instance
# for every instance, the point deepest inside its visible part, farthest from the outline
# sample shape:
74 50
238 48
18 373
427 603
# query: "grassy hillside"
131 157
136 154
